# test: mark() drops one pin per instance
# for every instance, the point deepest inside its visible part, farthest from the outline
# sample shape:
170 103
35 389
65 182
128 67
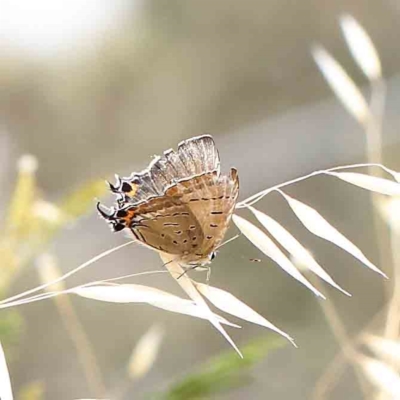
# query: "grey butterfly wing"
194 157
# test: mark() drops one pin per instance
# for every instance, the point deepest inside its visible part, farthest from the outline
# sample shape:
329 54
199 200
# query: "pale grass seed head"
390 210
49 272
342 85
384 349
47 212
361 47
27 164
381 375
145 352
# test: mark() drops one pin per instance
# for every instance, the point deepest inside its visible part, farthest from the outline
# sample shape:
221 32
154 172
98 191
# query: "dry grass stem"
187 285
49 272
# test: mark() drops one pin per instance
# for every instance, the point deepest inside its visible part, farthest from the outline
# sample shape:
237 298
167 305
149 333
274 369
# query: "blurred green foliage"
223 373
32 391
11 327
32 221
30 225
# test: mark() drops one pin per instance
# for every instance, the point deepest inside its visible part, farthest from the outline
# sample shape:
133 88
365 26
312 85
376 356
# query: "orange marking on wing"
129 217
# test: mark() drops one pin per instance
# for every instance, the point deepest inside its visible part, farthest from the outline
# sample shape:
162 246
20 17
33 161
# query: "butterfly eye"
212 255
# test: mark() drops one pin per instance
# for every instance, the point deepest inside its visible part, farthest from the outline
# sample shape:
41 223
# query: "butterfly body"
180 205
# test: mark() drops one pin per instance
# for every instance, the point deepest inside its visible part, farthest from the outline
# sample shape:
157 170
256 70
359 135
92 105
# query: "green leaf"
223 373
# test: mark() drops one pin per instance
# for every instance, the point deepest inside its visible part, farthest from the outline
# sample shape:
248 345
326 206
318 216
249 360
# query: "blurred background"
92 88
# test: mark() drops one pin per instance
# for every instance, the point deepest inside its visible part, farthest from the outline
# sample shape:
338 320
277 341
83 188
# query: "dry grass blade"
11 299
145 352
319 226
225 301
294 247
382 376
342 85
372 183
258 196
361 47
269 248
131 293
125 293
187 307
5 383
187 285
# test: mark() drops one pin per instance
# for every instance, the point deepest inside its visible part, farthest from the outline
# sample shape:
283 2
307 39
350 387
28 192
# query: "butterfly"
180 205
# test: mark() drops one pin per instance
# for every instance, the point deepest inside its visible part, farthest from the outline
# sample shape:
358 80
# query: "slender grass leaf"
131 293
188 307
319 226
227 302
187 285
269 248
294 247
372 183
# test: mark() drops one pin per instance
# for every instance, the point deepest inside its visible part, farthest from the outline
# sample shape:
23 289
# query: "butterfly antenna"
187 270
168 262
227 241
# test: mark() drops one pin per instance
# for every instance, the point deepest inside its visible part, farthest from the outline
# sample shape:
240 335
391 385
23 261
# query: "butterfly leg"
187 270
208 275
